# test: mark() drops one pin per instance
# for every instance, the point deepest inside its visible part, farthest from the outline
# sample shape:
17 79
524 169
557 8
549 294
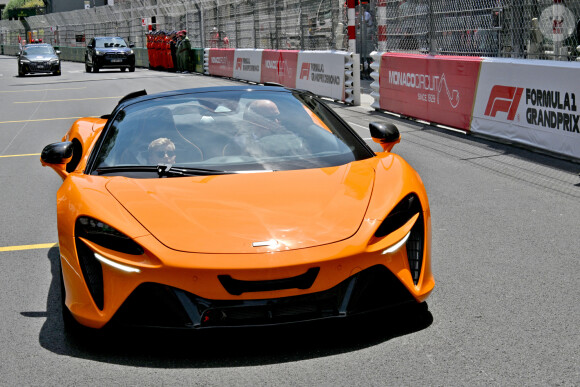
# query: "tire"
123 69
132 69
57 72
87 68
95 68
20 72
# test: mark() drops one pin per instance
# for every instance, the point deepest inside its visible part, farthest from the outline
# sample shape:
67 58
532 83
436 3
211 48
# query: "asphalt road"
506 243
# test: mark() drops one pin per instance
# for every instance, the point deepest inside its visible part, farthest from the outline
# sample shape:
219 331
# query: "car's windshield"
229 131
39 50
110 42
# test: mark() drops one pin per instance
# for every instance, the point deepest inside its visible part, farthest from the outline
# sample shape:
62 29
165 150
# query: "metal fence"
536 29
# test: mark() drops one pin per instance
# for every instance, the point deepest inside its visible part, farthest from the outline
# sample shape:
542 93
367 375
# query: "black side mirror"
57 153
385 134
131 45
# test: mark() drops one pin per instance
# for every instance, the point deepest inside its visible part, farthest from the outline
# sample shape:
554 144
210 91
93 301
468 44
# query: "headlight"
98 52
413 240
400 215
106 236
24 61
55 60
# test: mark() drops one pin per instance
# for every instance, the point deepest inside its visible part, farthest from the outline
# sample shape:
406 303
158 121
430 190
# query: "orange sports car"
234 206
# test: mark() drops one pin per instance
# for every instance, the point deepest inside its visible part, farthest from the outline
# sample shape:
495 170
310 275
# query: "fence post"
432 39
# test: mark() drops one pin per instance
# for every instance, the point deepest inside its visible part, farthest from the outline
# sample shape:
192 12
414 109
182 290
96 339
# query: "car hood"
250 213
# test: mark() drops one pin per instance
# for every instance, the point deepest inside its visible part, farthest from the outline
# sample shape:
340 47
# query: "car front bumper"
40 67
189 290
115 61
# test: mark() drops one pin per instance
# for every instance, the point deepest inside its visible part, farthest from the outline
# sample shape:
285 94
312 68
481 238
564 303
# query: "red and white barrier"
528 102
332 74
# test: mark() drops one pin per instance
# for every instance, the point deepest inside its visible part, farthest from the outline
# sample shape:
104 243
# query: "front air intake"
414 246
92 272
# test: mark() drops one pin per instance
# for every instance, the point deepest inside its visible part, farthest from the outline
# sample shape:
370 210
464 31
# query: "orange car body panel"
177 232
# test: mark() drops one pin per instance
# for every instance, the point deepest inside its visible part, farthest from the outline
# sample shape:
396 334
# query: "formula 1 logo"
239 63
504 99
305 71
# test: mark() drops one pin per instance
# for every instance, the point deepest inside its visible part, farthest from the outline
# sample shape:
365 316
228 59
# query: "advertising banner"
221 62
530 102
439 89
322 73
280 66
247 64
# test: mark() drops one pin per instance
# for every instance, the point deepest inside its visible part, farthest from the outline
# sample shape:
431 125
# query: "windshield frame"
361 149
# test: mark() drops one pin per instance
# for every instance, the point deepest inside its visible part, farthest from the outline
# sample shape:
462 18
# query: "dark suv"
109 52
38 58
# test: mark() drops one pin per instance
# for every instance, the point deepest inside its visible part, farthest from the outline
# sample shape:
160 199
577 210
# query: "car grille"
39 66
115 56
157 305
237 287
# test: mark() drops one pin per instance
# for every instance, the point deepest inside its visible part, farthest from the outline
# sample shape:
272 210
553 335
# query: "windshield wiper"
126 168
163 170
168 170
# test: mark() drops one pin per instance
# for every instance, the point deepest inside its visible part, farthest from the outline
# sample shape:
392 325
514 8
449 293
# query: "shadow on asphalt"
223 348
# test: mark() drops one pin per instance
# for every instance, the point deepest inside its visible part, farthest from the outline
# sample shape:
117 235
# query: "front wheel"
123 69
132 69
95 68
20 72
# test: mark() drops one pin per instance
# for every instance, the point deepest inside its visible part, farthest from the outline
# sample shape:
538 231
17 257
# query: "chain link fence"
535 29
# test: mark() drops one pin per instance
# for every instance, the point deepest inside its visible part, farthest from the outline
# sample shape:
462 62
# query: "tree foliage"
15 4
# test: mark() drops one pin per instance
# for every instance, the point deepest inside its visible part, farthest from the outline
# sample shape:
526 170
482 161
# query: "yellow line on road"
29 154
28 247
68 100
40 119
24 91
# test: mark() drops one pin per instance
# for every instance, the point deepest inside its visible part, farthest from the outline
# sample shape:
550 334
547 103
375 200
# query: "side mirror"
56 156
131 45
57 153
387 135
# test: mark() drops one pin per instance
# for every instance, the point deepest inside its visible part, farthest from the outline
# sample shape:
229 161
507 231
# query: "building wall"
71 5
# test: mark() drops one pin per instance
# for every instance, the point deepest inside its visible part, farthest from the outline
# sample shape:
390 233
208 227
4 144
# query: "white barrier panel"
333 74
322 72
530 102
248 64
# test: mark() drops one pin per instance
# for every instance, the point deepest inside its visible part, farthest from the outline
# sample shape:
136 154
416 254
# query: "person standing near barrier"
173 50
184 53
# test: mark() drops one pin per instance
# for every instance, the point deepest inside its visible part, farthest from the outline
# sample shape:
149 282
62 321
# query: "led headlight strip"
116 265
397 245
